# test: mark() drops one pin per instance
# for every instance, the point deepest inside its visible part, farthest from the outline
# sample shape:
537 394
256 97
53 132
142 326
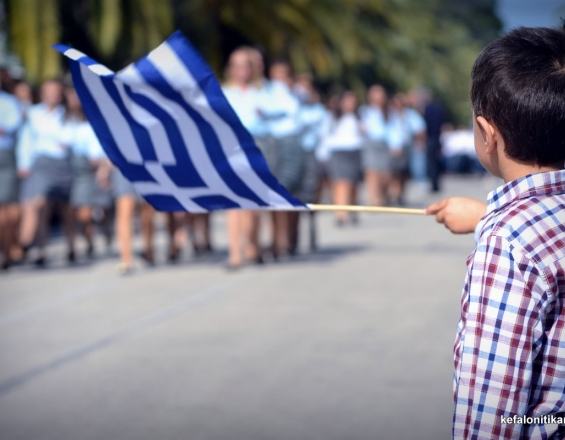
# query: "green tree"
401 43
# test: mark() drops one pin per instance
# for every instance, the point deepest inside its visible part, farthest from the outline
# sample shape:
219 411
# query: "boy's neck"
516 170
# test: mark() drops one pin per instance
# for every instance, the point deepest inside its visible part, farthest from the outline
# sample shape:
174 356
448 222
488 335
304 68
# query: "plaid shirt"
510 345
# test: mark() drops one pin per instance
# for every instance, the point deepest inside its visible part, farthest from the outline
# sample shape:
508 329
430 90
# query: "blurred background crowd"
339 96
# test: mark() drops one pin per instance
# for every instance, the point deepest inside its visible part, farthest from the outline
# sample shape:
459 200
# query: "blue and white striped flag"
165 123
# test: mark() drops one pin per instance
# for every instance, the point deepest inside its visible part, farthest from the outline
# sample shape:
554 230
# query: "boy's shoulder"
533 226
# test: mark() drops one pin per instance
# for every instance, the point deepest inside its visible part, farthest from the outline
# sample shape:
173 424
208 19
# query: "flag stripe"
185 174
91 110
189 132
196 68
152 76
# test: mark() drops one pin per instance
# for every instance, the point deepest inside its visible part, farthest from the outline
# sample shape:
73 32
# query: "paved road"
353 342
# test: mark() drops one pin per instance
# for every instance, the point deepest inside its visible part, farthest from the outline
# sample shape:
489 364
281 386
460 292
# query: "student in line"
86 157
345 140
282 111
10 122
312 119
244 96
45 167
376 158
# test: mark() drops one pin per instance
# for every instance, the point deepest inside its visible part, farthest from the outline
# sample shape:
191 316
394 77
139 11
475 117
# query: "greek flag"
166 125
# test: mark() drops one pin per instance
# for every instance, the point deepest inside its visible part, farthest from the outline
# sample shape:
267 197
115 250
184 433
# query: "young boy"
510 347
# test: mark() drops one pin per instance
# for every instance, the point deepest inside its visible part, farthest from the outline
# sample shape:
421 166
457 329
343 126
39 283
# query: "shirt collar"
539 184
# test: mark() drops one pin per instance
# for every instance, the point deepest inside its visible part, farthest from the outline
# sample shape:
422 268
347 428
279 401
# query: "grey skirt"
310 178
121 187
289 162
268 148
8 177
50 178
83 186
345 165
399 163
376 157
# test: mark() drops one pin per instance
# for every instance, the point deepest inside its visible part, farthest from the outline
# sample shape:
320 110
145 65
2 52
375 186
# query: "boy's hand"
458 214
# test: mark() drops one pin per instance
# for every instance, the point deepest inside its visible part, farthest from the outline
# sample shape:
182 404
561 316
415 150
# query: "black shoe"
233 267
40 262
71 257
258 260
90 252
148 258
173 256
5 265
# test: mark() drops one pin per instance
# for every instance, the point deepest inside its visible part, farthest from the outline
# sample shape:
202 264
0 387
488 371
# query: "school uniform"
280 109
312 117
247 103
375 156
398 137
416 125
41 152
10 122
85 149
345 141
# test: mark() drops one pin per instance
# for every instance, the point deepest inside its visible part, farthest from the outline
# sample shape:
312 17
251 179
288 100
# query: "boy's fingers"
440 216
434 208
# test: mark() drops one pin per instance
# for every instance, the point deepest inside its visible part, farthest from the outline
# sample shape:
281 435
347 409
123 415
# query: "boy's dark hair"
518 84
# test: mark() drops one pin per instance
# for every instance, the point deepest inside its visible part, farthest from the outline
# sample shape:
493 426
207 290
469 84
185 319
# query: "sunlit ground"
353 342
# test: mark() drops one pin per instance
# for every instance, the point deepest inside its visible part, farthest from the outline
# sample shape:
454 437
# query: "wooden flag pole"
373 209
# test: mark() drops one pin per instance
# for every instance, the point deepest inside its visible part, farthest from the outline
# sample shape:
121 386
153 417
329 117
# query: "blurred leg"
341 196
383 180
281 232
30 220
251 222
176 222
13 215
293 231
235 229
84 217
372 187
125 206
205 228
68 216
148 232
4 240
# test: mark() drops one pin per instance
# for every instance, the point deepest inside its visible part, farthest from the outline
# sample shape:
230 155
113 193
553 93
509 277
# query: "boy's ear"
488 133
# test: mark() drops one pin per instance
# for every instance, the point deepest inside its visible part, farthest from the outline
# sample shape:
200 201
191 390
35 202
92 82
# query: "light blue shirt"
246 103
397 131
346 134
402 126
312 117
41 136
415 121
280 108
10 121
374 123
79 137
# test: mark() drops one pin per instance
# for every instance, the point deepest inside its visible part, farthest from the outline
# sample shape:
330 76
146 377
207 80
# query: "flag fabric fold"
164 122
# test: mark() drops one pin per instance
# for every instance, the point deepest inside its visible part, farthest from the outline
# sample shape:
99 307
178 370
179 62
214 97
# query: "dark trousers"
433 163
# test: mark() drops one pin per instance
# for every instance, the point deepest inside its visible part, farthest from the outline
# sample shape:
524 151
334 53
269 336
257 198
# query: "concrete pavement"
354 342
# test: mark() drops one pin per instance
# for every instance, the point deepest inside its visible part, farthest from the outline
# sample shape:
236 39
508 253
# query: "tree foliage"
401 43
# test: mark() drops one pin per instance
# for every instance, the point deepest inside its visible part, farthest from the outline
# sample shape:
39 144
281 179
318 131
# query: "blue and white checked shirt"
510 345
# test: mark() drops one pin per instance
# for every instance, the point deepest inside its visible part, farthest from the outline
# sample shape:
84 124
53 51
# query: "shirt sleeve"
24 148
500 332
11 115
95 150
416 122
